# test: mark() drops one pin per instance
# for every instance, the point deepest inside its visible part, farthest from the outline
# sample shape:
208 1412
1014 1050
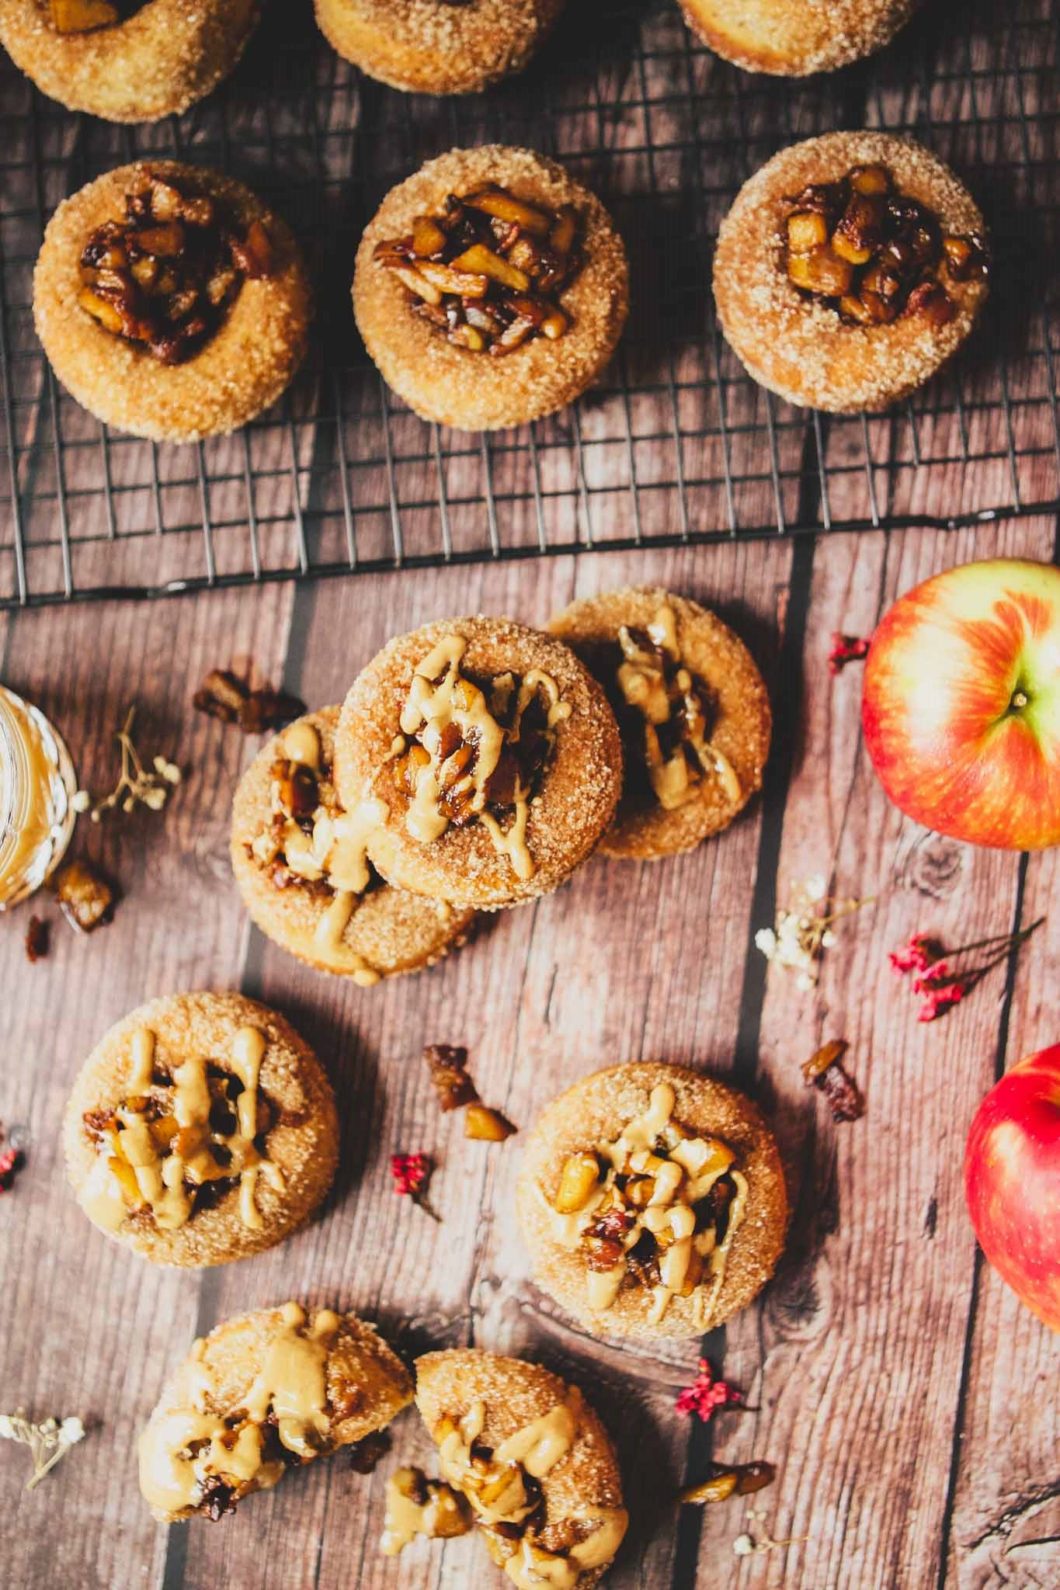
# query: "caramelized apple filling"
488 271
658 1208
503 1486
474 750
312 843
176 1144
167 275
669 709
86 16
873 253
206 1456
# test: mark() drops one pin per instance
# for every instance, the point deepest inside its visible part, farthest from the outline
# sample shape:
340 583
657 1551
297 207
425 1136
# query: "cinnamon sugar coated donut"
145 62
437 46
304 875
848 300
490 288
792 38
692 710
485 755
262 1393
170 301
200 1129
652 1200
543 1441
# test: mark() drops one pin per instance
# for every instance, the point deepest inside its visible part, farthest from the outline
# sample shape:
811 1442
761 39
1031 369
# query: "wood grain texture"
886 1368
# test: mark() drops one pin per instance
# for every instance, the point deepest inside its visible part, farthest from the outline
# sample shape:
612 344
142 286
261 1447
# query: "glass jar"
37 784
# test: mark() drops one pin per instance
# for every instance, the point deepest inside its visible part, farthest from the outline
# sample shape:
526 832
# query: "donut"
262 1393
533 1460
490 288
652 1201
792 38
692 711
437 46
489 755
200 1129
126 61
849 269
171 303
303 871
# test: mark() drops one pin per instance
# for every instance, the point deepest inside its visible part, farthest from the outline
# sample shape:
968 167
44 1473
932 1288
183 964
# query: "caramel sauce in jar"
37 785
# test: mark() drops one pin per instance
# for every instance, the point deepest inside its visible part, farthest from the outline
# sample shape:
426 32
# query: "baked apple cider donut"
531 1460
792 38
490 288
126 60
201 1129
302 867
263 1393
489 757
171 303
692 711
849 269
437 46
652 1200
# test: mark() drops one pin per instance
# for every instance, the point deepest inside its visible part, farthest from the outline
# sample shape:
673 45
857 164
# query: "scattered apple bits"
447 1064
167 276
489 270
741 1479
875 254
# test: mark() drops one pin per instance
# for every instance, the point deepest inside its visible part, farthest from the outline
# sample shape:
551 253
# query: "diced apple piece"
454 278
480 259
496 201
427 236
81 16
101 309
807 230
821 272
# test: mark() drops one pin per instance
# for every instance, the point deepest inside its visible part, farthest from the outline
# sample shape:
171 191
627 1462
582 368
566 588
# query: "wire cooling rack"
675 444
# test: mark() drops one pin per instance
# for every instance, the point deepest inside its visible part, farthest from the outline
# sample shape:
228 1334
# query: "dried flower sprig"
937 981
756 1545
137 785
707 1394
846 649
805 929
411 1173
48 1441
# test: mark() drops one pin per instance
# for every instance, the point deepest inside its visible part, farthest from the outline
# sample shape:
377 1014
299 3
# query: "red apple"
961 708
1012 1181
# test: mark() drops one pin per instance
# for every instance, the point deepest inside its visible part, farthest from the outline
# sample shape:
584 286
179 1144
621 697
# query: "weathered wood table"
909 1402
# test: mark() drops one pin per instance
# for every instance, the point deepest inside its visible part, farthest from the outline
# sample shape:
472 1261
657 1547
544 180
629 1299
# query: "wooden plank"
87 1327
623 962
1006 1511
855 1362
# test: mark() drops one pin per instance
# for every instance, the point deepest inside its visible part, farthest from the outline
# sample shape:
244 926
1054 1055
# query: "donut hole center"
165 276
875 254
488 271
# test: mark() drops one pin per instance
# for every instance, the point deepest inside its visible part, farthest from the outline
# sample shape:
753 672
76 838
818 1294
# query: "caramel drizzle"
534 1450
336 851
182 1449
680 1181
644 685
166 1166
440 697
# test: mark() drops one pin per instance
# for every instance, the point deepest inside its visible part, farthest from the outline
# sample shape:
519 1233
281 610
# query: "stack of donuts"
490 288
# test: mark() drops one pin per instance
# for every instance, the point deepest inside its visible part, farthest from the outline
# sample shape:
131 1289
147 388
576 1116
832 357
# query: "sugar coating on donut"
458 387
796 37
595 1111
436 47
387 931
163 58
581 1490
738 718
798 346
242 369
570 803
294 1108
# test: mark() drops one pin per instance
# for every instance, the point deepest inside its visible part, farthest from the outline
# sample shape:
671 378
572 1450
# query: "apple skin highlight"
961 704
1012 1181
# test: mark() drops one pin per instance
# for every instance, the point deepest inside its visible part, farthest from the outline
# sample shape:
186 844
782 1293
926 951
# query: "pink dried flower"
706 1394
411 1173
914 956
937 982
939 1000
846 649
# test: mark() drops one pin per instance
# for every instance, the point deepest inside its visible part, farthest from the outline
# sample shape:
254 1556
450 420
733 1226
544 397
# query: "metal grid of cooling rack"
675 444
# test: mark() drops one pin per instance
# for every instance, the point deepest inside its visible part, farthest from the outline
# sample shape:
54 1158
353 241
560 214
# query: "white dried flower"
47 1440
71 1431
803 930
743 1546
766 941
137 784
80 801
